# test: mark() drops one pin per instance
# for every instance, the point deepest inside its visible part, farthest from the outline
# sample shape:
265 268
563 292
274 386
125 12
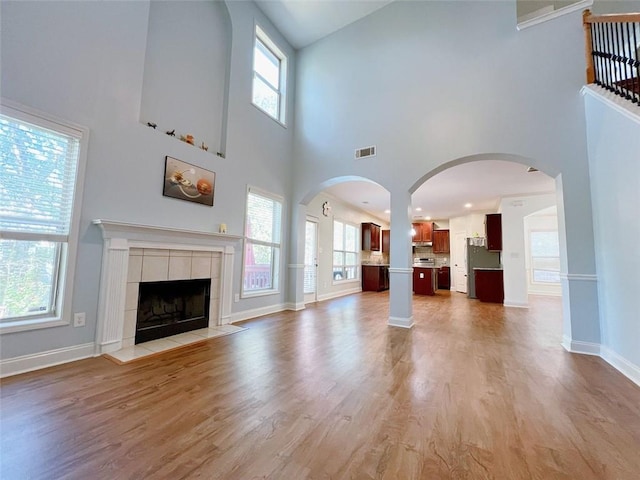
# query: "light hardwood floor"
474 391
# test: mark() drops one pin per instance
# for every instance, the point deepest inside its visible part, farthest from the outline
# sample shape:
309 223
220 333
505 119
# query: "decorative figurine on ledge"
152 125
187 138
204 147
171 133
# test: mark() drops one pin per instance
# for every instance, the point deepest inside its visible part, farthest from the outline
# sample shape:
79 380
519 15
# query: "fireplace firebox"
171 307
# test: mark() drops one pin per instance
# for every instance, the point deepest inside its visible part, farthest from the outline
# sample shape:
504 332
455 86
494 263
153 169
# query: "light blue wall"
614 163
431 82
84 62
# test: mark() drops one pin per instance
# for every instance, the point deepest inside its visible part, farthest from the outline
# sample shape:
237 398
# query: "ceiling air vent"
366 152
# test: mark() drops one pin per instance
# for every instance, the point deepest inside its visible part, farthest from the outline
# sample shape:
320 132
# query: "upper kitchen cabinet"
441 241
424 232
371 237
493 231
386 241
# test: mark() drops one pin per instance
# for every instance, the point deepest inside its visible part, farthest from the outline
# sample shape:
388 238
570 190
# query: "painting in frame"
188 182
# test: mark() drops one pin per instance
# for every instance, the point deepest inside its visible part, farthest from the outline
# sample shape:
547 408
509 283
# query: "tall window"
262 246
345 251
545 256
269 76
39 162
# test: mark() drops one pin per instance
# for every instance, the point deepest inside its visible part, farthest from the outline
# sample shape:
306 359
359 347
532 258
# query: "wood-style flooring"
473 391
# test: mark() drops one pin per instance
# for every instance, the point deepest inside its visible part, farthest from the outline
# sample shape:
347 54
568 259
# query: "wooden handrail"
611 17
591 71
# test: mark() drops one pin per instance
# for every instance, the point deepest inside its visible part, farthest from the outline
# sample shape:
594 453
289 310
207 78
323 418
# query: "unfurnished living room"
292 239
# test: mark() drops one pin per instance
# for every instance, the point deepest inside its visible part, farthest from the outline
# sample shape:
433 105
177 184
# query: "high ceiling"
481 184
302 22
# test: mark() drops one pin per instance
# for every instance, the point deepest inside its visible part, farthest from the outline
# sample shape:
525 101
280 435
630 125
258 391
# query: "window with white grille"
39 161
263 231
345 251
269 76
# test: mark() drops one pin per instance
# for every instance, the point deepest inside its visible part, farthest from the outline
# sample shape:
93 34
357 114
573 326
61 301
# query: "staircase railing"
613 53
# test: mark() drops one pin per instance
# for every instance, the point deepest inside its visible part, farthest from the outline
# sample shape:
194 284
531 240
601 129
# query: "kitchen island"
425 279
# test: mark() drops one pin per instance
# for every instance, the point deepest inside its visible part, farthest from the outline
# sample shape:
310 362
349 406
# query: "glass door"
310 261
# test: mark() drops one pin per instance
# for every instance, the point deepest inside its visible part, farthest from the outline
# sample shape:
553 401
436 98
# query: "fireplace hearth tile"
182 340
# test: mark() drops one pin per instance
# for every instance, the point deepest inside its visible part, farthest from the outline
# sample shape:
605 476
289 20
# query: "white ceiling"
443 196
302 22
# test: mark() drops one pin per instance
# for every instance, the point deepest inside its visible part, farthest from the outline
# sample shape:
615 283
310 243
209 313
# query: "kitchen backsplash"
441 259
369 257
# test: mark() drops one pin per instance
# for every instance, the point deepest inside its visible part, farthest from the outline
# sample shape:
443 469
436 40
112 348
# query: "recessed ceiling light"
387 211
467 205
427 218
418 209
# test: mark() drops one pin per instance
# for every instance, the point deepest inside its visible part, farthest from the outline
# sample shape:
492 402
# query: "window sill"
26 325
282 124
345 282
261 293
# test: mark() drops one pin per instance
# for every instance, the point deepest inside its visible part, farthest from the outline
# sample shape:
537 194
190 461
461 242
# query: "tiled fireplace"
138 253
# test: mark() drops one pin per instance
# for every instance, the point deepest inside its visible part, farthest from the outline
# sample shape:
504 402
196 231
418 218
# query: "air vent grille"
366 152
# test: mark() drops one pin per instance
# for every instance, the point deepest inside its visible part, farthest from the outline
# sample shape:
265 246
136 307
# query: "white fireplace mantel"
119 238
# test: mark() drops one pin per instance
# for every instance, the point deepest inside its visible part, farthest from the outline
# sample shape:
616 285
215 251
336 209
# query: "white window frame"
261 36
68 251
532 257
277 246
333 251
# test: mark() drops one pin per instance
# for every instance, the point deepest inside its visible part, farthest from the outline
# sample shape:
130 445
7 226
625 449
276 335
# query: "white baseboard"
585 348
257 312
341 293
624 366
400 322
36 361
507 303
294 306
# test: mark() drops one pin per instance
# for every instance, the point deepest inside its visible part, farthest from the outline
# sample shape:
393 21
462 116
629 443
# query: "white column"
226 289
295 292
401 260
115 262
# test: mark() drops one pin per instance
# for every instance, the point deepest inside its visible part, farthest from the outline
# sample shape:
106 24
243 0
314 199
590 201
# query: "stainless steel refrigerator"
478 257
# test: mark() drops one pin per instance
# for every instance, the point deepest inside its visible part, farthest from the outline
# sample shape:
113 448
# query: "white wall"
513 255
84 62
341 212
614 143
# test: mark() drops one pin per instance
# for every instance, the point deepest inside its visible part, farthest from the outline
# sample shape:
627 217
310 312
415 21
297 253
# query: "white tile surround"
158 265
140 253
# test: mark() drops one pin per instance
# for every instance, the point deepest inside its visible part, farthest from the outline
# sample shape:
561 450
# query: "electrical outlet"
79 319
237 298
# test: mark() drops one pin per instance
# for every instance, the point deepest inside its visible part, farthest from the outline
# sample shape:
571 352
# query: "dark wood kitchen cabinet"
444 278
386 241
441 241
489 285
424 232
375 278
370 236
493 231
